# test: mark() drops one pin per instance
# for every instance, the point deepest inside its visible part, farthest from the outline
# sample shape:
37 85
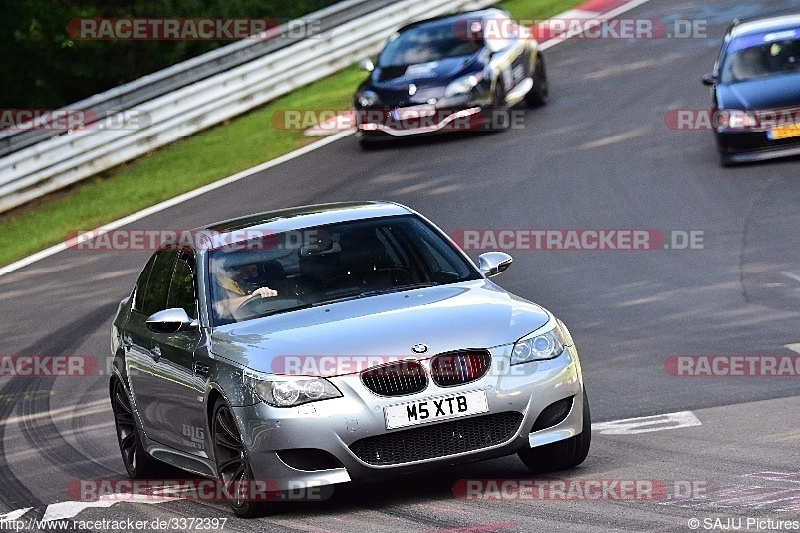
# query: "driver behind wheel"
236 280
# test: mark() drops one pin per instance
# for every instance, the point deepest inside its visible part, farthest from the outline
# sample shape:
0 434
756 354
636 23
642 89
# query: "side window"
141 284
155 295
181 290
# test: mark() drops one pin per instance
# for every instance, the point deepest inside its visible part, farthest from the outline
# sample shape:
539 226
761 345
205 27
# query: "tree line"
48 66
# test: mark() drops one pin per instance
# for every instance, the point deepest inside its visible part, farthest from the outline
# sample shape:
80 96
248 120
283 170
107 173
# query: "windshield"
758 56
423 44
323 264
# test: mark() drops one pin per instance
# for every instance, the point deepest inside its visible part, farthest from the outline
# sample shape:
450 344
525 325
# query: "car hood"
430 74
472 314
773 93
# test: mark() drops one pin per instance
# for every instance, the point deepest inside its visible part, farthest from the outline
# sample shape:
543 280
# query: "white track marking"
795 347
791 275
70 509
647 424
13 515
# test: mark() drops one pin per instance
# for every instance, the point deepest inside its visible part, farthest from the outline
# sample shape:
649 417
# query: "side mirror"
366 64
170 321
709 79
493 263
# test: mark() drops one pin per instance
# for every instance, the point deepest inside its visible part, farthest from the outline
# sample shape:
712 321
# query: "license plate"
418 111
437 408
783 133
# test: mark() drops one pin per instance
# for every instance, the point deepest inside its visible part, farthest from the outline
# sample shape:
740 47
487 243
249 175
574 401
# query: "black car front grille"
438 440
395 379
457 368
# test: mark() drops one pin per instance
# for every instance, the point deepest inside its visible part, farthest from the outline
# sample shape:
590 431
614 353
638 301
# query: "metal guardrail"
57 162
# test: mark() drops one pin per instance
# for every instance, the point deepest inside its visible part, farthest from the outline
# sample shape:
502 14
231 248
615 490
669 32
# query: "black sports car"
450 73
755 90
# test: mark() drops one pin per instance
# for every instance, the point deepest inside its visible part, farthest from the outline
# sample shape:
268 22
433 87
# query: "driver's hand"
265 292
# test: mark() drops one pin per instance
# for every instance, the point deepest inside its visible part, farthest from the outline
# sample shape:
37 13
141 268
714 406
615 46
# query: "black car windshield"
423 44
329 263
759 56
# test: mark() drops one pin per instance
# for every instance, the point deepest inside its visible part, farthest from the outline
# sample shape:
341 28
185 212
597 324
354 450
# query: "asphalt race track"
598 157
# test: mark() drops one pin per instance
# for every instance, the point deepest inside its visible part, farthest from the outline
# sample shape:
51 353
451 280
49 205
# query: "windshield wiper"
400 288
377 292
279 311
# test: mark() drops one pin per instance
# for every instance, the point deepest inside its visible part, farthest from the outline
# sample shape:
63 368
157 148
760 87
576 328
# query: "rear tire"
564 454
540 93
233 466
138 463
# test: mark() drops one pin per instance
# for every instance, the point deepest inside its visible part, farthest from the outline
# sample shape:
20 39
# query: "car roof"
296 218
455 17
765 24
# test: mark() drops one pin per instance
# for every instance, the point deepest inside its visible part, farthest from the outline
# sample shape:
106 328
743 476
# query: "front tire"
540 93
495 116
233 466
563 454
138 463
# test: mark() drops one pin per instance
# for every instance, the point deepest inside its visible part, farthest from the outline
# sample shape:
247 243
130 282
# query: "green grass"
537 9
192 162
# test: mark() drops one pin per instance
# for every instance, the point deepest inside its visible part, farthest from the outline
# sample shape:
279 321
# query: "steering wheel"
245 305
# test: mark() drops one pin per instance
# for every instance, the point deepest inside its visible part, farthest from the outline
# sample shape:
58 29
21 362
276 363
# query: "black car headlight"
368 99
289 391
542 344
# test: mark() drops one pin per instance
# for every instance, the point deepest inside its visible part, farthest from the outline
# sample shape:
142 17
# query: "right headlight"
541 344
289 391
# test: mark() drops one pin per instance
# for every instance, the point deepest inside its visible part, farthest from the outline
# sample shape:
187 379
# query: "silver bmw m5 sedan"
322 344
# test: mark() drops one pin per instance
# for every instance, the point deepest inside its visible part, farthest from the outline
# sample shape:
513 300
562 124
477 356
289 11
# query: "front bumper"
387 123
749 146
331 427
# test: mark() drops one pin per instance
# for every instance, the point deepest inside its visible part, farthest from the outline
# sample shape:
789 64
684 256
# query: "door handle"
155 351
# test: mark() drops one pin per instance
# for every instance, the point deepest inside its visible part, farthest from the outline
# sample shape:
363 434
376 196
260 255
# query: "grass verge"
187 164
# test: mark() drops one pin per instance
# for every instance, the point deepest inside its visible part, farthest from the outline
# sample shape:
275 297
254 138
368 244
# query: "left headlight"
541 345
289 391
463 85
368 99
